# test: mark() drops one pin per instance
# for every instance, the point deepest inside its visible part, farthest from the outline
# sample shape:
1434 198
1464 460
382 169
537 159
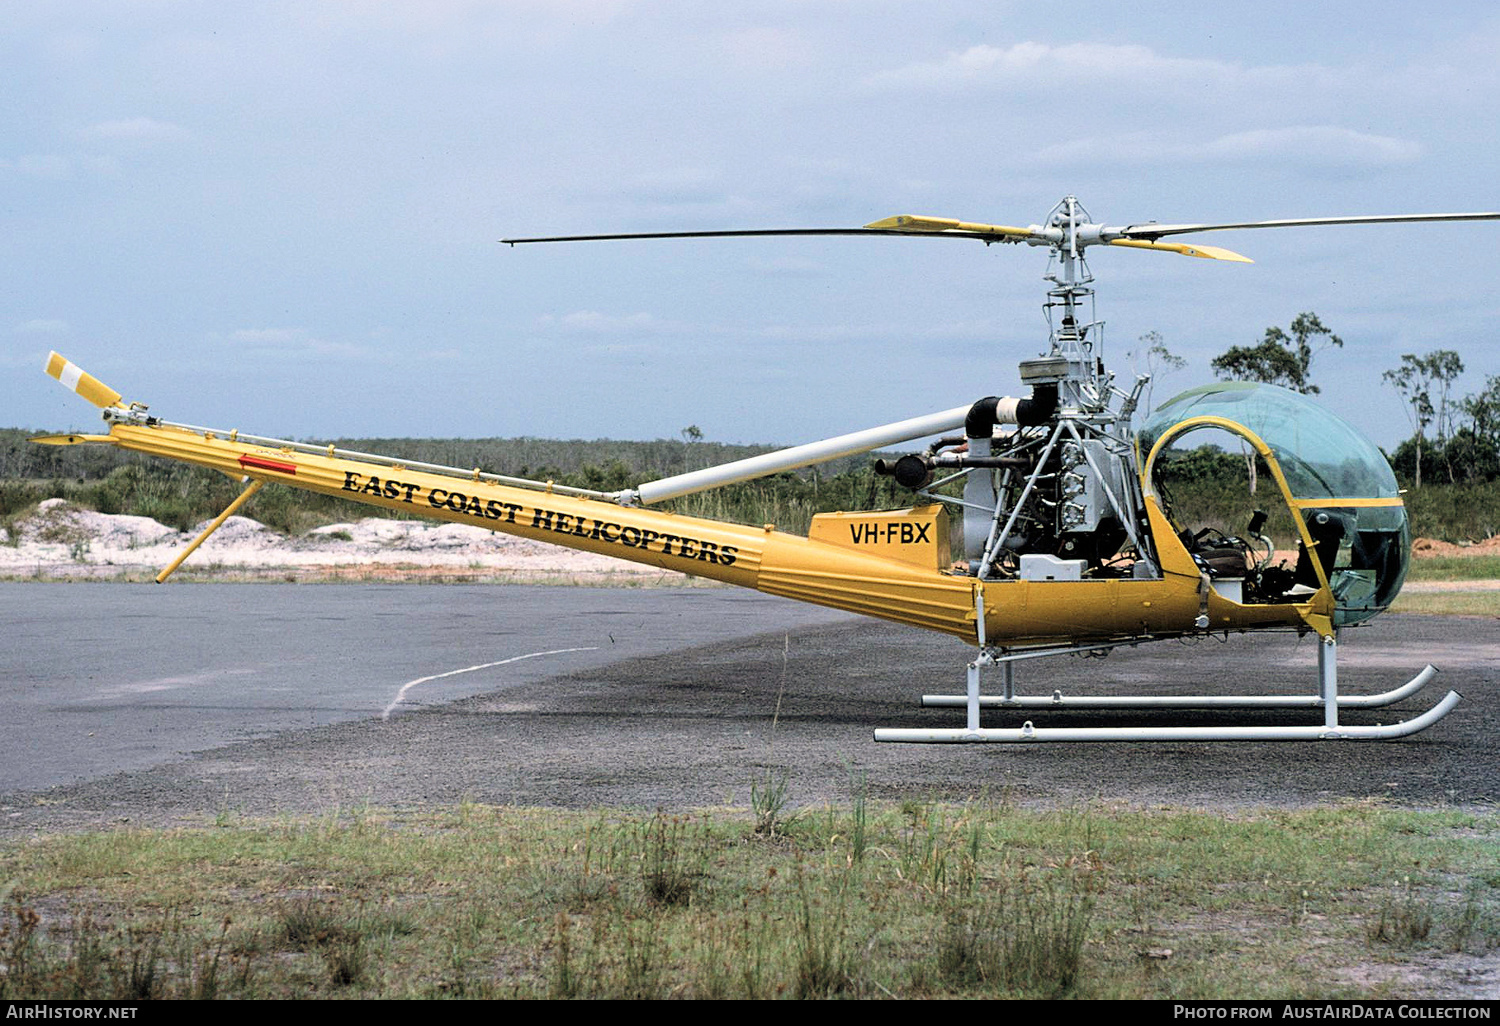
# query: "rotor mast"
1075 334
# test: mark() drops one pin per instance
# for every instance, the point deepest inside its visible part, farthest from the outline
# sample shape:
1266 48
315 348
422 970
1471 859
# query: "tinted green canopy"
1333 473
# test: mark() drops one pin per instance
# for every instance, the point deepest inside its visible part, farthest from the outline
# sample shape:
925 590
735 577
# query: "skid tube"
1328 699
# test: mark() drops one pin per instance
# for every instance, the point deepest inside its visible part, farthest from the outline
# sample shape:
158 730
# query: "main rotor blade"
1156 231
917 224
754 231
1206 252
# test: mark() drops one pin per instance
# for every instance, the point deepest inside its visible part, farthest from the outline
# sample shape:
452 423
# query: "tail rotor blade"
86 385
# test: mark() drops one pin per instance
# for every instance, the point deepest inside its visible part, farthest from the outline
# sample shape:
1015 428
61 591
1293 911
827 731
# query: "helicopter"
1068 539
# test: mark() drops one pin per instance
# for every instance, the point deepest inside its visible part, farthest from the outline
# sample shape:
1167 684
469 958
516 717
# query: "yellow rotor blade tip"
915 223
1216 253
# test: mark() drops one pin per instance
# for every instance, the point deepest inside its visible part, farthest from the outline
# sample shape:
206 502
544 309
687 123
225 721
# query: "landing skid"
1328 699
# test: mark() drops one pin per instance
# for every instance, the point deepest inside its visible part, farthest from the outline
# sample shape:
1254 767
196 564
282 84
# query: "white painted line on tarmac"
470 669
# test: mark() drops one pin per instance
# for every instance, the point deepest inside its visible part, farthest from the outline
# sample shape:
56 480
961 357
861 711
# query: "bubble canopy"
1321 456
1339 482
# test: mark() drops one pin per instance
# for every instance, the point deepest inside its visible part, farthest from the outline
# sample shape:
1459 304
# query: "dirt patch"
1431 548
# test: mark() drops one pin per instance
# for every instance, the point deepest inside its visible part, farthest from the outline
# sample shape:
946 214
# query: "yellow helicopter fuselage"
895 565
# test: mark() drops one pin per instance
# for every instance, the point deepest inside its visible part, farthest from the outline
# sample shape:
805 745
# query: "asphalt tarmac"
161 705
97 678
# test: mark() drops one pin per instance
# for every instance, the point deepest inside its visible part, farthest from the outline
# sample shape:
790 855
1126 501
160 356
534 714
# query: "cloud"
624 349
294 342
1323 144
142 129
592 322
877 333
1130 81
768 49
267 336
1050 67
42 326
39 165
55 167
1325 147
676 185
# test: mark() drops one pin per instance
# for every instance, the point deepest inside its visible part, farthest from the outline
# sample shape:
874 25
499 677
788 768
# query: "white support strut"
799 456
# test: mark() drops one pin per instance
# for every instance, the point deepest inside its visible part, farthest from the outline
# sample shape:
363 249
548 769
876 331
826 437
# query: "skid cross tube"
1327 699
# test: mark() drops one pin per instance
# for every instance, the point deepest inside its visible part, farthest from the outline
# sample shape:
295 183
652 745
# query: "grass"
1459 601
768 802
1448 603
1454 568
979 900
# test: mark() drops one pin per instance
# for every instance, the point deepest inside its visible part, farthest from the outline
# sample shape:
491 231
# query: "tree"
1280 358
1415 380
1159 360
1471 451
1483 410
693 436
1411 385
1443 367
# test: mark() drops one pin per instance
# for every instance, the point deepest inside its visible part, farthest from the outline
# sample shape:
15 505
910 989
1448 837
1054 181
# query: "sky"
284 217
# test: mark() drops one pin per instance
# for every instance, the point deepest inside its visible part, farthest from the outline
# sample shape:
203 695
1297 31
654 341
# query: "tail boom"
761 558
